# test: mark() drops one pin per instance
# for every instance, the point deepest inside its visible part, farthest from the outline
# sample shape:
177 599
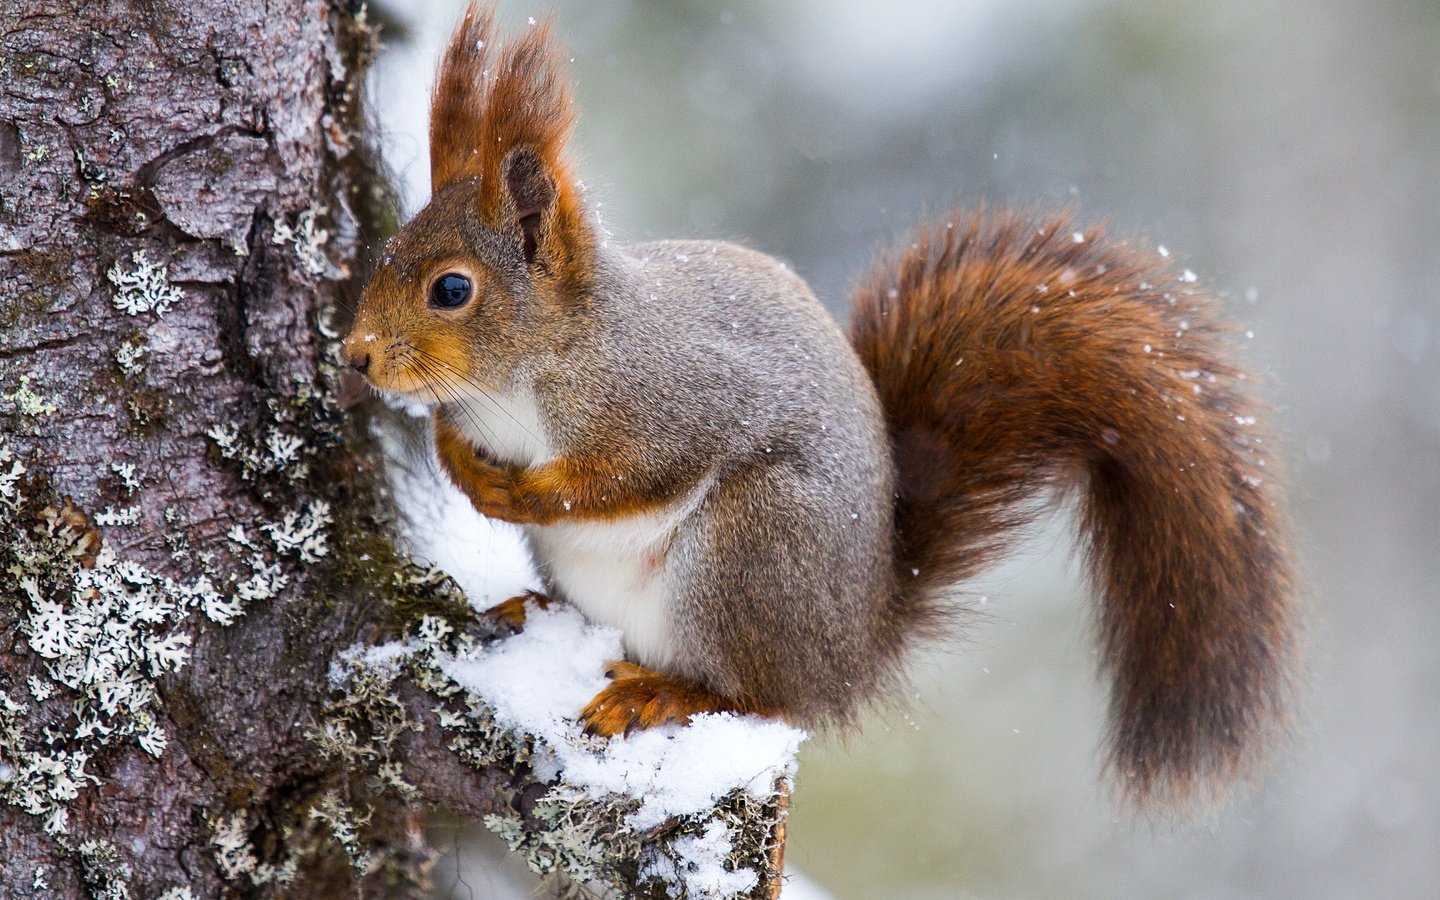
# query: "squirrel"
774 512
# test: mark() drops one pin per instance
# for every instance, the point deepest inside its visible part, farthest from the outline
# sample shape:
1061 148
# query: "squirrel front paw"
639 698
507 617
489 486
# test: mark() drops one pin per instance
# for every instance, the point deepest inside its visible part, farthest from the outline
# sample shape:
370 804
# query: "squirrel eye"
449 291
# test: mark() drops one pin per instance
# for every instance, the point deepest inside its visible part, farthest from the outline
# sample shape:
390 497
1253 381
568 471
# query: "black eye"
450 291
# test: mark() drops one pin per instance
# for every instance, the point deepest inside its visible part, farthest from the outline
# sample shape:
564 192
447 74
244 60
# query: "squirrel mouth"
409 386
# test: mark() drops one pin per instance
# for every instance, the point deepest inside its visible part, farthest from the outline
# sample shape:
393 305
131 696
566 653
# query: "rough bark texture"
185 198
218 141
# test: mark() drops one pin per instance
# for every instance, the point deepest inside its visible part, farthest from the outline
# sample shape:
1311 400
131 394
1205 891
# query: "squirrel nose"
355 357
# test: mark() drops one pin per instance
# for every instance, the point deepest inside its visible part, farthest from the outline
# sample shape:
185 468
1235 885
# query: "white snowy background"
1289 152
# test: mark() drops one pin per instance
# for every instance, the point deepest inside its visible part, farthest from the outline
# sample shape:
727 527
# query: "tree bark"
192 528
184 194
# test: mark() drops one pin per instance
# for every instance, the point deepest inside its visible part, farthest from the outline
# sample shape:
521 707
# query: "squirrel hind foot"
507 618
638 698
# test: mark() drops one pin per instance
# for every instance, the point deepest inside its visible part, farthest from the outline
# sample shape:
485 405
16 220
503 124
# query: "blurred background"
1288 151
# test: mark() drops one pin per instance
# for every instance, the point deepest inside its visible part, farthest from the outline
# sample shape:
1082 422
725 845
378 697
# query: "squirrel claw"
507 618
638 698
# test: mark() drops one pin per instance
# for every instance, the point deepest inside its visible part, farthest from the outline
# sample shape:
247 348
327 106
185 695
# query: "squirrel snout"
356 357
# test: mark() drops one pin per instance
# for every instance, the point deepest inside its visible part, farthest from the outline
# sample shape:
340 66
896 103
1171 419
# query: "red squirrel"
774 512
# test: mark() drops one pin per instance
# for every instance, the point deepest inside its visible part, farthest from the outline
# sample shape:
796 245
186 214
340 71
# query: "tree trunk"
185 195
192 528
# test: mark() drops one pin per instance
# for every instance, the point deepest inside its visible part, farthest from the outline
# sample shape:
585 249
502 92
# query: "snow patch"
700 865
539 680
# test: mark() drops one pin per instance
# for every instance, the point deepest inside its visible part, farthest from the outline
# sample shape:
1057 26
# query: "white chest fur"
507 423
615 572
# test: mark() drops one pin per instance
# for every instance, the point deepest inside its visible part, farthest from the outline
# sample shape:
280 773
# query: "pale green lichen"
231 842
11 471
581 837
281 874
307 239
390 776
237 858
344 823
105 636
105 629
40 689
364 679
104 871
265 579
130 356
129 481
434 631
28 402
279 450
111 517
145 288
301 532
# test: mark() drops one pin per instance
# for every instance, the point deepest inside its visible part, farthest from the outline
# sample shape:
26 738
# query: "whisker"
485 394
435 382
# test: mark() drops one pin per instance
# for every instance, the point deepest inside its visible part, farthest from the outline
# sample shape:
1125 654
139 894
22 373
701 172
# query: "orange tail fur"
1015 353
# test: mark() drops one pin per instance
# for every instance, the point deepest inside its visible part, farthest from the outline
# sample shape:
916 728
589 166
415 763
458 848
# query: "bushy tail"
1015 353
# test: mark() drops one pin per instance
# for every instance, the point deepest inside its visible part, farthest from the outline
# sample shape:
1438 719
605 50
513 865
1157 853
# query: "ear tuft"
490 99
457 102
502 115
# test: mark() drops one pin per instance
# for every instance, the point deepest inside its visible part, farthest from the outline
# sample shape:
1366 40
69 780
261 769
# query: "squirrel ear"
530 189
501 115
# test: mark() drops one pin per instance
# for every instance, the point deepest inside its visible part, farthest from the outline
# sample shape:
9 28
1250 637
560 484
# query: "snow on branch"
697 811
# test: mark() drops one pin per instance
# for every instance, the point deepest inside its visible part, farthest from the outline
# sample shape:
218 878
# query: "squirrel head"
490 271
